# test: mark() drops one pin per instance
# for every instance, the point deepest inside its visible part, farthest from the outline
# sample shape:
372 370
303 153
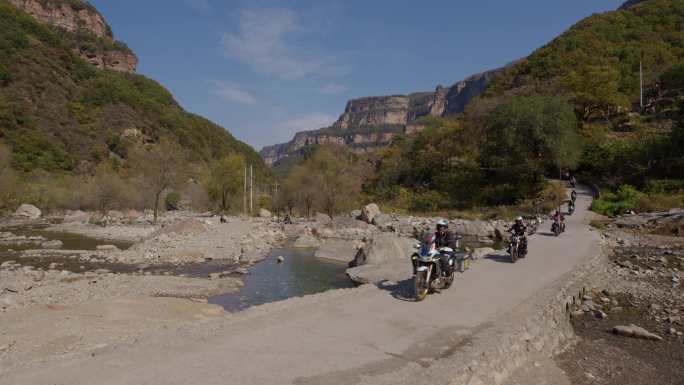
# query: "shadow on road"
402 290
498 258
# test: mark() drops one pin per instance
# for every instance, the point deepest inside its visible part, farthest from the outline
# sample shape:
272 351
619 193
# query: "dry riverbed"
643 287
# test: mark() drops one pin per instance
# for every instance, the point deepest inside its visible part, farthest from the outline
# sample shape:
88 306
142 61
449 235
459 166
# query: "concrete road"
336 338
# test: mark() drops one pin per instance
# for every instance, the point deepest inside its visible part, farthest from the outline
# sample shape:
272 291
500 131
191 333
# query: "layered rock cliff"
371 122
89 33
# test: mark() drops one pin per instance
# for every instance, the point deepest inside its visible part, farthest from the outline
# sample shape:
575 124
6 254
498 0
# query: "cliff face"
371 122
90 34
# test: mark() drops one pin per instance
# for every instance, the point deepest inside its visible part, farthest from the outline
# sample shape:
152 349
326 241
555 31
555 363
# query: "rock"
369 212
626 264
215 276
674 319
356 214
337 250
383 221
600 314
385 248
27 211
107 248
263 213
636 332
672 331
322 218
306 241
280 259
76 216
242 271
51 245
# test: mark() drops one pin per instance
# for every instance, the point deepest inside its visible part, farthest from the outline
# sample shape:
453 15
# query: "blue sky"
266 69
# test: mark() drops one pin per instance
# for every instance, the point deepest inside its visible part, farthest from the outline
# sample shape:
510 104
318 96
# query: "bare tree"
162 166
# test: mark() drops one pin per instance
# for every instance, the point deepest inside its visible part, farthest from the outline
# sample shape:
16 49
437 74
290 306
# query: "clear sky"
266 69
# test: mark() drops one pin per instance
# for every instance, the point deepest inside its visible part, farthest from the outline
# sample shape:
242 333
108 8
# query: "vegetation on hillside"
76 137
58 113
572 105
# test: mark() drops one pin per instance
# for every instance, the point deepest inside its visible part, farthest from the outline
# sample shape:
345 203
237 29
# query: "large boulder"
383 221
385 248
369 212
263 213
337 250
27 211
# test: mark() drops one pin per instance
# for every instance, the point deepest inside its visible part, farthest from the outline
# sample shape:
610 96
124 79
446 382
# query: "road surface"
344 338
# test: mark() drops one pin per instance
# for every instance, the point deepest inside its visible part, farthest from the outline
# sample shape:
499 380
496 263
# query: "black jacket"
518 229
446 240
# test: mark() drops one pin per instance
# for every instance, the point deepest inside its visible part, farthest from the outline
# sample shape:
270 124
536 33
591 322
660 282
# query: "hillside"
372 122
573 104
62 108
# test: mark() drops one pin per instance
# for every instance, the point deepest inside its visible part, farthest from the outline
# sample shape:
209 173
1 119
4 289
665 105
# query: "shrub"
172 201
625 199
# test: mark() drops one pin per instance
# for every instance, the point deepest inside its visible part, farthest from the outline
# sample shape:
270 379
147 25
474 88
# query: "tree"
105 189
226 179
336 176
162 166
299 189
524 137
595 89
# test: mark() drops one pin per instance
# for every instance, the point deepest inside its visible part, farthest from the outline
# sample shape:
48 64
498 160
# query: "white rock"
28 211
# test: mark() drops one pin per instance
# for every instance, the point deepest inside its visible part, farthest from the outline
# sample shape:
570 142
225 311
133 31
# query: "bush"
172 201
625 199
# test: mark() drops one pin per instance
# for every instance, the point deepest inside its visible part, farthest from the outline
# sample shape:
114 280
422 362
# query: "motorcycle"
535 222
514 247
557 227
571 208
427 267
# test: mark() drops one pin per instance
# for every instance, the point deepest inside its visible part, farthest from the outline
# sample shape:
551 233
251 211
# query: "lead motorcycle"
515 249
427 268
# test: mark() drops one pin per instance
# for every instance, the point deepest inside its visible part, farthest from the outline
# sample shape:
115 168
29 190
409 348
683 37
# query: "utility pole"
251 189
641 85
244 194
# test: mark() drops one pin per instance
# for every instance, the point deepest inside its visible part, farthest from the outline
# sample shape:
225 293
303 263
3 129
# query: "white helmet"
443 222
519 219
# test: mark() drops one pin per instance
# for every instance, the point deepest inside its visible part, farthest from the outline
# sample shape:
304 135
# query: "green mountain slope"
59 113
597 60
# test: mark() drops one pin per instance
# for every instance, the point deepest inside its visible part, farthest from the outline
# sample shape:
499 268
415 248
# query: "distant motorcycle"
427 267
571 207
534 224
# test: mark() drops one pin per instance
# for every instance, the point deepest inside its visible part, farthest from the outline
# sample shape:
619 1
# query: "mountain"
69 97
91 36
371 122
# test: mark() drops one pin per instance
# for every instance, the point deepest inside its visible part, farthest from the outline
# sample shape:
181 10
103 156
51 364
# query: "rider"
558 216
573 196
445 238
520 230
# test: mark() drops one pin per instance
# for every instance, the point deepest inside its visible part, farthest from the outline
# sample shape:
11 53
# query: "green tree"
226 179
596 89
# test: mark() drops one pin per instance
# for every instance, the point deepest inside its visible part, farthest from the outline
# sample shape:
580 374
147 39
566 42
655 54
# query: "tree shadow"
402 290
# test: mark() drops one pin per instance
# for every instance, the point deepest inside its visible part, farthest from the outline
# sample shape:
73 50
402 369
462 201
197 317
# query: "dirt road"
363 335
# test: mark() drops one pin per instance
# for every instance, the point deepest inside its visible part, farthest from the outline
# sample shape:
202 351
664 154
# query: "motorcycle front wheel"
514 254
421 285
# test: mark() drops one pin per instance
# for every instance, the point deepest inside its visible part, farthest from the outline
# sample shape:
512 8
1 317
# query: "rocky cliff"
370 122
88 31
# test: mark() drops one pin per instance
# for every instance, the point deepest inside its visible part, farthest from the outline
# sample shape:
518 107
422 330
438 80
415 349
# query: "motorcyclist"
445 238
573 196
571 207
560 218
520 229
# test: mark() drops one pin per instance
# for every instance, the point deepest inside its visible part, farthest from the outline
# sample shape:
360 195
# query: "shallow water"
300 274
69 241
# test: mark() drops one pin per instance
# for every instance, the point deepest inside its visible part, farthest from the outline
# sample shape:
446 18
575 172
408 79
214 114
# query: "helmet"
519 219
443 222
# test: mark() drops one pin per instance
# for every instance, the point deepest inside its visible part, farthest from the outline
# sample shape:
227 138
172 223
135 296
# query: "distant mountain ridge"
371 122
